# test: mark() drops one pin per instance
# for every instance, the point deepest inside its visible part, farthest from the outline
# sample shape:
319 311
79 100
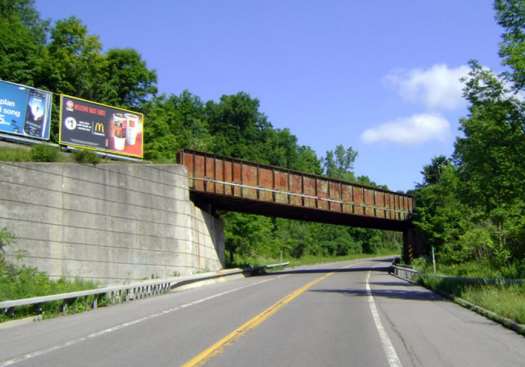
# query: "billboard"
91 125
25 111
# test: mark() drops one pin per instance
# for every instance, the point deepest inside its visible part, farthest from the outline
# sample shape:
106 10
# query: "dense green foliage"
470 207
64 58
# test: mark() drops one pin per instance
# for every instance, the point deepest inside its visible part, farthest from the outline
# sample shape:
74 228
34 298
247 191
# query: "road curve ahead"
344 314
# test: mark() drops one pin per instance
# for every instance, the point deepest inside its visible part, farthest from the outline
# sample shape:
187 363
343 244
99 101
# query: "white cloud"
414 129
438 87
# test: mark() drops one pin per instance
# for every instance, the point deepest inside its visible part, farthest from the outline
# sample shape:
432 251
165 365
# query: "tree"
175 122
510 14
247 235
340 163
490 153
307 161
26 13
240 130
22 49
432 172
439 212
127 80
75 60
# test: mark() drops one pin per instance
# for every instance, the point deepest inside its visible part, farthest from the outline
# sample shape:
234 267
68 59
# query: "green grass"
478 269
22 282
15 155
47 153
38 153
505 300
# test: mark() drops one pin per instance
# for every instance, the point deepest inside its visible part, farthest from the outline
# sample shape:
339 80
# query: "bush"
44 153
86 156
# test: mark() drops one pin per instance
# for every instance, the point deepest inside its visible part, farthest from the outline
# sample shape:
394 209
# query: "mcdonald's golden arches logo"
99 127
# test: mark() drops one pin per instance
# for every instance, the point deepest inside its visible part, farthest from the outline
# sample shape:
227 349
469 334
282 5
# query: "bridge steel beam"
203 200
237 185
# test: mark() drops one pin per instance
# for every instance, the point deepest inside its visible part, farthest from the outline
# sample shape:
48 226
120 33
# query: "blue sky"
380 76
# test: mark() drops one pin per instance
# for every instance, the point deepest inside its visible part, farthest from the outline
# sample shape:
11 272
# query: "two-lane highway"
344 314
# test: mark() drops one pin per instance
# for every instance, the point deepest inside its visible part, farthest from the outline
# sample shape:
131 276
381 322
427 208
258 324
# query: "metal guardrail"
278 265
115 294
405 273
260 270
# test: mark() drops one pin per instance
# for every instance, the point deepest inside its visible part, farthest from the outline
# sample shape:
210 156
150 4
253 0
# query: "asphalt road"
344 314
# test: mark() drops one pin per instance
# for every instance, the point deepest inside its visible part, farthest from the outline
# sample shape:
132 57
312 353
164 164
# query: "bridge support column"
413 245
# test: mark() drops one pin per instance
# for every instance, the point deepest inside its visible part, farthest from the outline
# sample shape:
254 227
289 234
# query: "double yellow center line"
216 348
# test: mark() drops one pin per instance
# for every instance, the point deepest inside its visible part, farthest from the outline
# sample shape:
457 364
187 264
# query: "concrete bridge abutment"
110 223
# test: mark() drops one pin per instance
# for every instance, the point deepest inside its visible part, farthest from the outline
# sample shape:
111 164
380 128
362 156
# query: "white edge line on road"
388 347
41 352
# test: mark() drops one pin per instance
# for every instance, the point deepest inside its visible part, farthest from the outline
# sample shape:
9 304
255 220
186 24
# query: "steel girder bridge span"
231 184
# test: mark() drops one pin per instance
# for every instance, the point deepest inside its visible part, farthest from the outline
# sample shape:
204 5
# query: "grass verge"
47 153
505 300
37 153
18 282
15 155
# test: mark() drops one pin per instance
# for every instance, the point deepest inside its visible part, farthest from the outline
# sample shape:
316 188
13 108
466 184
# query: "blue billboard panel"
25 111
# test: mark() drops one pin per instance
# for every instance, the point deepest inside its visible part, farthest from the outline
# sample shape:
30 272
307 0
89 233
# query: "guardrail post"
65 305
9 312
38 309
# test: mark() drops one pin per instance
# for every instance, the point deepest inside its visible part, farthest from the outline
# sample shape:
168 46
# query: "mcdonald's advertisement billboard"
91 125
24 111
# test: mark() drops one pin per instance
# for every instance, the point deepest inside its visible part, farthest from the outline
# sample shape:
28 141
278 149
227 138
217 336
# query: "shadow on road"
419 295
331 270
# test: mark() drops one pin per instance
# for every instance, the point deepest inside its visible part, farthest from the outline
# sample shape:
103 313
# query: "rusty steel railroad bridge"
221 183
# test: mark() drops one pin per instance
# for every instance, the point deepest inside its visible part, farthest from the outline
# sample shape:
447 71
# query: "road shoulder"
429 330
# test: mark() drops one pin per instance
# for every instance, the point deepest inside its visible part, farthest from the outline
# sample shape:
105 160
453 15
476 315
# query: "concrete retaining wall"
111 223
